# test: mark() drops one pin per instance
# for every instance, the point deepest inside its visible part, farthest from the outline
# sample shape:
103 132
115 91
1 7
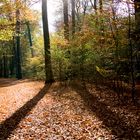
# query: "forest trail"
31 111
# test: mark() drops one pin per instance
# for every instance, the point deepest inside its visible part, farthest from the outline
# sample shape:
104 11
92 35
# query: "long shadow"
7 126
118 126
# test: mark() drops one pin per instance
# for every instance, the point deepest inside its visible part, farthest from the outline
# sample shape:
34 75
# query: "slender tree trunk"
102 40
30 38
131 57
5 63
66 23
137 36
101 6
101 23
66 19
11 59
114 30
95 6
13 69
48 65
18 47
73 16
1 67
137 14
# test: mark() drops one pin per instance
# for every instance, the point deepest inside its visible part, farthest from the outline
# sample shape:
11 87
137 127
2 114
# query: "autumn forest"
77 81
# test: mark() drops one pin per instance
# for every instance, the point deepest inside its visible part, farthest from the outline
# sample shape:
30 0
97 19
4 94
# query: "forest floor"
31 111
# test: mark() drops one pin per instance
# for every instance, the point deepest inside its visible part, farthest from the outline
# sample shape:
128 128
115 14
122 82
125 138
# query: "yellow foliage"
59 41
82 37
8 17
102 72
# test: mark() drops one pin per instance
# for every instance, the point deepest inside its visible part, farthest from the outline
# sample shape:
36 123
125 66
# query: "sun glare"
52 7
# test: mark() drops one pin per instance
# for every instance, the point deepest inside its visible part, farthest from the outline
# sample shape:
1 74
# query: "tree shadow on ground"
110 97
10 124
111 120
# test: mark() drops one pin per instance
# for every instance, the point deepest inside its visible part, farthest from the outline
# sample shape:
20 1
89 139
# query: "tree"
48 65
73 16
137 36
137 13
66 19
18 49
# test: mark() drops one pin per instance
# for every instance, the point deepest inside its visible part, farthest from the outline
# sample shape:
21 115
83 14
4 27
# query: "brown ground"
30 111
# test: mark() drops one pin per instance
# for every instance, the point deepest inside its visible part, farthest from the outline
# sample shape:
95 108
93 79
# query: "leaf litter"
64 113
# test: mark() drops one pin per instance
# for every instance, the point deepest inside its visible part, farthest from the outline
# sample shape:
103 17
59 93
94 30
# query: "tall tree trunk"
115 34
101 23
30 38
94 5
48 65
12 59
5 63
66 19
137 14
1 67
101 6
18 47
131 57
73 16
137 35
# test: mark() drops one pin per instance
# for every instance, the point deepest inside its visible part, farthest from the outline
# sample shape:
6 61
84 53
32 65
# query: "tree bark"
137 14
66 19
101 6
30 38
137 36
131 57
73 16
18 47
48 65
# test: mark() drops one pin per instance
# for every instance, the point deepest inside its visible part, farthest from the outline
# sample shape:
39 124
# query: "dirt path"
30 111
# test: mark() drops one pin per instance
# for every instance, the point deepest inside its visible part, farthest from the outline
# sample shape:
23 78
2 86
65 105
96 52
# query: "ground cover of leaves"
30 111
